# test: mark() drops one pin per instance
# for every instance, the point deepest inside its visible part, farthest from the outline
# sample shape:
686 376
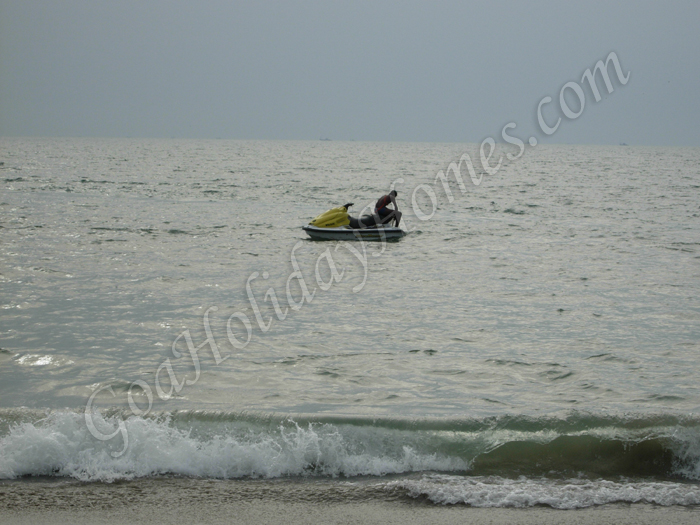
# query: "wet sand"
274 513
212 502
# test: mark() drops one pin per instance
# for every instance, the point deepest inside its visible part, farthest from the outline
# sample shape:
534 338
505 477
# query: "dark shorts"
385 214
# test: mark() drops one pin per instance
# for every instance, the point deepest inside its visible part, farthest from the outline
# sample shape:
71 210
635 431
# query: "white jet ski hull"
345 233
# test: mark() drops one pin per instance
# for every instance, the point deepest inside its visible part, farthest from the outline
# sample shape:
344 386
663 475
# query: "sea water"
534 339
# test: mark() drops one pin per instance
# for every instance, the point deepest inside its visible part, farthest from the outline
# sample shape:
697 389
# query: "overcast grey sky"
450 71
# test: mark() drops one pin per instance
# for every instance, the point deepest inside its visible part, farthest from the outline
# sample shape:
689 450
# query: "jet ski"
337 224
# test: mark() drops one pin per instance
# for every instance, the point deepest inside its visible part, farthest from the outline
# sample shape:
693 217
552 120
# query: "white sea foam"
686 449
61 445
479 491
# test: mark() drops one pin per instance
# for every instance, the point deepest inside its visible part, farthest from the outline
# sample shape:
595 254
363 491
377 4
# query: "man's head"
393 193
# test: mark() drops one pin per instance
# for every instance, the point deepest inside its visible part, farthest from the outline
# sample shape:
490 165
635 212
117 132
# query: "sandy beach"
205 501
289 513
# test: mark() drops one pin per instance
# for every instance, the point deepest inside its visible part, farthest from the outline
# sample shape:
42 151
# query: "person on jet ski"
385 213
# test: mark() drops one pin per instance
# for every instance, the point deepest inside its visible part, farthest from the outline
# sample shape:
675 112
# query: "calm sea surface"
526 327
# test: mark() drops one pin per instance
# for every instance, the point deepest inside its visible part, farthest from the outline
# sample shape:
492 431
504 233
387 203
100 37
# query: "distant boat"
327 140
623 144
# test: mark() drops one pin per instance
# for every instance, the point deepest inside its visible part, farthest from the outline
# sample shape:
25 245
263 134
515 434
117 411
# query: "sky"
427 71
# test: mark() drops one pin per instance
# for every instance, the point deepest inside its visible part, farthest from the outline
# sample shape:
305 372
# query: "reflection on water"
569 280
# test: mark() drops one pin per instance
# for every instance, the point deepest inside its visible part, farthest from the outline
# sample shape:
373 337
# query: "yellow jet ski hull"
332 218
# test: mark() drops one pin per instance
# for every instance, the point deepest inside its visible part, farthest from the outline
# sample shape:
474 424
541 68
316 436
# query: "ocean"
534 339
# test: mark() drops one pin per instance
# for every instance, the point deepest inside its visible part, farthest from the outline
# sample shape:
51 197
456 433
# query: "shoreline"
286 513
185 500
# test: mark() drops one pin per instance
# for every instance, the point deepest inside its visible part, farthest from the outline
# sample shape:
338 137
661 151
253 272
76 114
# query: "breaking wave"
651 449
